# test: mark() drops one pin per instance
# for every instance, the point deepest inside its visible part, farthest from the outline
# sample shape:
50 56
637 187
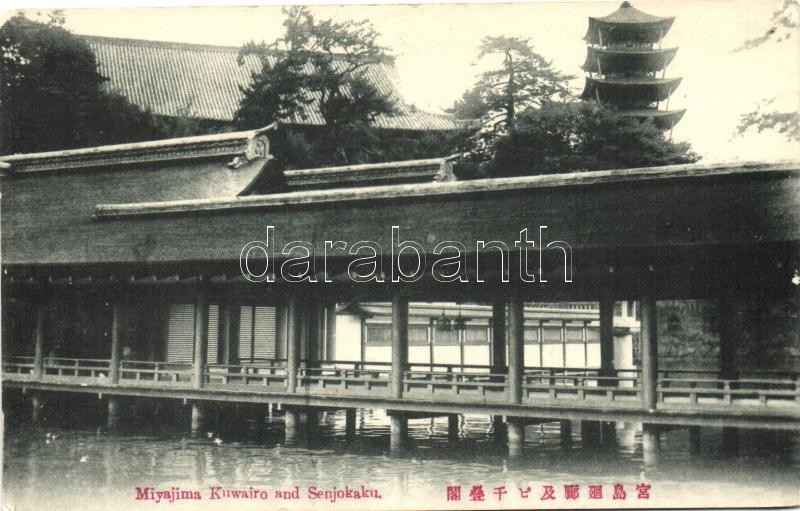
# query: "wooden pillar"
650 445
591 434
315 333
229 318
312 423
38 353
280 332
608 433
452 427
330 332
499 428
291 423
292 349
116 334
516 436
516 349
694 439
350 423
399 343
566 434
499 338
649 351
113 413
607 337
200 339
198 418
36 407
729 444
398 432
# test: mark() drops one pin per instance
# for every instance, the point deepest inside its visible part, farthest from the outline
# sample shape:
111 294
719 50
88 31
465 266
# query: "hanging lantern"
443 324
460 322
674 323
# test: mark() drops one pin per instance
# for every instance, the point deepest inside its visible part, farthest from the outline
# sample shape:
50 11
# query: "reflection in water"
83 467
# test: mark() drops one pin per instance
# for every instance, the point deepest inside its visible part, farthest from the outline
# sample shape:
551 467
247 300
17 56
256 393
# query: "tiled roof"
629 14
175 79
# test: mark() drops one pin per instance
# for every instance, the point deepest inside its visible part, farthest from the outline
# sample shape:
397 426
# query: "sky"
435 49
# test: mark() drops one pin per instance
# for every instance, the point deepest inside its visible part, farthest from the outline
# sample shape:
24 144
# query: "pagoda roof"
628 24
664 119
627 90
627 60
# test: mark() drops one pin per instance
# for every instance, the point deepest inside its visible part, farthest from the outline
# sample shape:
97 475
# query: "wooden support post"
694 439
116 334
499 428
198 418
330 332
499 338
591 435
452 427
312 423
566 434
315 331
292 350
224 334
291 424
36 407
113 413
280 331
229 319
608 433
649 351
200 339
516 437
607 338
729 444
350 423
398 432
650 445
38 353
399 343
516 349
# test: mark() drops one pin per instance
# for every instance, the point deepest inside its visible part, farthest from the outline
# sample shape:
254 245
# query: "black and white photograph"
361 257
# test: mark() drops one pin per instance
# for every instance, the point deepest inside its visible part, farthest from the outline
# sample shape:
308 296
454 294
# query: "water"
74 464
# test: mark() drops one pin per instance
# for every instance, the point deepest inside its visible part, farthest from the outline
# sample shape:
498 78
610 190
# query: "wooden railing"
250 374
343 380
76 367
474 386
145 372
676 388
18 365
554 385
743 391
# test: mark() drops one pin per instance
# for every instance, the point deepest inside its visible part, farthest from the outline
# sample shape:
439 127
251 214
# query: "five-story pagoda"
624 60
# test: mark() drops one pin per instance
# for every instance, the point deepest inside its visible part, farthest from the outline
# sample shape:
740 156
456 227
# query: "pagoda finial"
626 3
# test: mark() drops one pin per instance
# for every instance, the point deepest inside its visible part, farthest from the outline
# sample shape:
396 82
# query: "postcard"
538 255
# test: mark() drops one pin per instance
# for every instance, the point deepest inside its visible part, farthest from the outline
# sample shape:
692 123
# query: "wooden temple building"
626 65
122 276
